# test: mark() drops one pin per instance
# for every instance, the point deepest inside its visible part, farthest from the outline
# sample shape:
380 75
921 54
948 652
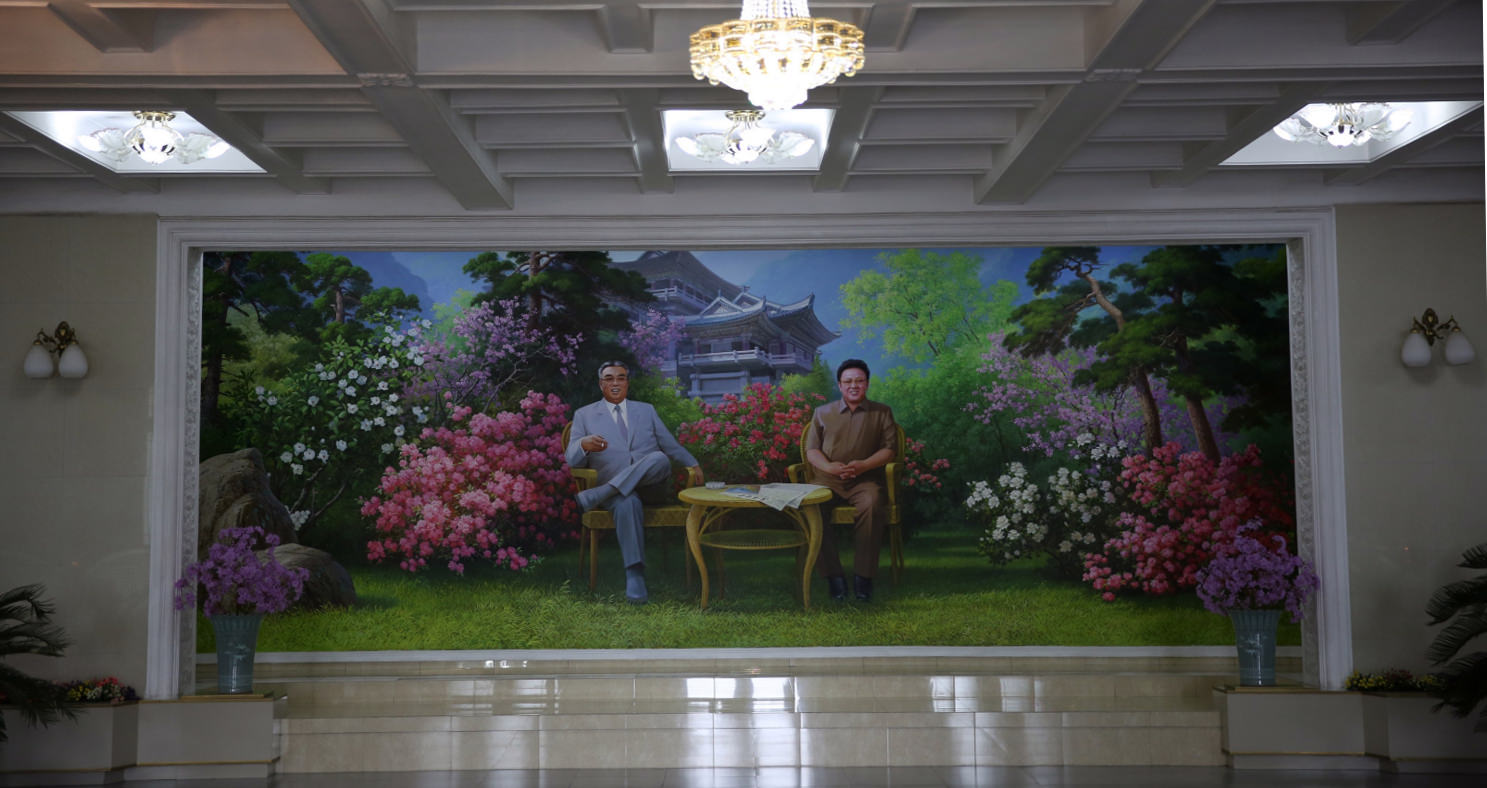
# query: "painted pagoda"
730 337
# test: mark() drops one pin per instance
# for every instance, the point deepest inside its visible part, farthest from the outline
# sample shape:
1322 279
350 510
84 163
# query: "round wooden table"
710 506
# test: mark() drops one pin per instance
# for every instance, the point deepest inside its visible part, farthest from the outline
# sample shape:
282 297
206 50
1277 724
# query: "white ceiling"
548 107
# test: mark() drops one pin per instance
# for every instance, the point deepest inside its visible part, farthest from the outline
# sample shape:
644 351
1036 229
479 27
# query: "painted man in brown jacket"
852 439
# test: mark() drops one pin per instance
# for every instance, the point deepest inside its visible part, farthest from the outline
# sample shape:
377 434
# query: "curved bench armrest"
796 473
694 477
895 472
585 477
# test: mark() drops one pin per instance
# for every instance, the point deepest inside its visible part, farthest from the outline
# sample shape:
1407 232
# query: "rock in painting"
329 584
235 494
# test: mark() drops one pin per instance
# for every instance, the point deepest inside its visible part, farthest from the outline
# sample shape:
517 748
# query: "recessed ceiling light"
1273 149
140 142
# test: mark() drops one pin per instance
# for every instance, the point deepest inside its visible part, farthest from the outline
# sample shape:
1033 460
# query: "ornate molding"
1316 374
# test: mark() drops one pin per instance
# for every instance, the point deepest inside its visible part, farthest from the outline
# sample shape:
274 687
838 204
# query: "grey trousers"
624 506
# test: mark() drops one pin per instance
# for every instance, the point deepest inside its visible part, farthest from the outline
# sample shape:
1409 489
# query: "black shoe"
863 586
837 587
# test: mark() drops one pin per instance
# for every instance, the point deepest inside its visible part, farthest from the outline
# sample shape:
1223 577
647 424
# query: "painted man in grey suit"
627 444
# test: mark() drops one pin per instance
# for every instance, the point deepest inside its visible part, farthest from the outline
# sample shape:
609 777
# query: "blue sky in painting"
782 276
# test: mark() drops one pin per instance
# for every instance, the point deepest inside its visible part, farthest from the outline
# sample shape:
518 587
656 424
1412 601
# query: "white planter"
1401 727
101 739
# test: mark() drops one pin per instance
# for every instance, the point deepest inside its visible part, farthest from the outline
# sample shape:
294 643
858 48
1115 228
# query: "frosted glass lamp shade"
72 364
1458 349
38 363
1416 351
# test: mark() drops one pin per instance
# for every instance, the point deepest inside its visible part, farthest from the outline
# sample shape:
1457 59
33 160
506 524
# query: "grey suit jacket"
647 434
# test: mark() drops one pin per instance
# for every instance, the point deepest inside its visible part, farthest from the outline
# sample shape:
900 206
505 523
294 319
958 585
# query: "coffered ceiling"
549 106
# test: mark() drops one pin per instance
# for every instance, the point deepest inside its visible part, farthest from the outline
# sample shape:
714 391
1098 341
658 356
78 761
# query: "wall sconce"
71 363
1426 330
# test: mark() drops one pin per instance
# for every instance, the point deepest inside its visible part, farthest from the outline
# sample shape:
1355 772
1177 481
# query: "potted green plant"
26 628
1464 604
241 588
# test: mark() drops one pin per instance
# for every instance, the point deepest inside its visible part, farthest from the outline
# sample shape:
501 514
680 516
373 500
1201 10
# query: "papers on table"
776 496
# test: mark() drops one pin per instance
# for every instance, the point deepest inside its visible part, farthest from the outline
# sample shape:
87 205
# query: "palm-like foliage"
1465 601
26 628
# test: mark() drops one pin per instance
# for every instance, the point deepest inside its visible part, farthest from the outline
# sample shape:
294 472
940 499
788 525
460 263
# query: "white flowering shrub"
1010 510
1072 512
329 429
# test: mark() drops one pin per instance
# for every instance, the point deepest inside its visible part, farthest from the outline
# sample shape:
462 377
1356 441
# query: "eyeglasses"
615 378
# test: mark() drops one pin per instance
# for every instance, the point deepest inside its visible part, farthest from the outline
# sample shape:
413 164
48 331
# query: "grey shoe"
590 499
863 586
635 592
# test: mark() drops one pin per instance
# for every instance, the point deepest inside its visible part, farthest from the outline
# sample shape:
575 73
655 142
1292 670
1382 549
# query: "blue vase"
1254 637
237 643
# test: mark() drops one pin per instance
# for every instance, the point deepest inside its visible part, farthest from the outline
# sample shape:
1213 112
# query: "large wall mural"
1086 428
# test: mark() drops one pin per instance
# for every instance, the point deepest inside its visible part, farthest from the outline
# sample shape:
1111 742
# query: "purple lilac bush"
237 581
1249 575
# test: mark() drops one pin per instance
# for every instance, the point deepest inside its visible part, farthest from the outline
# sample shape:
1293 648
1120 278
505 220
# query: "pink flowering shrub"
1193 510
752 438
492 487
921 472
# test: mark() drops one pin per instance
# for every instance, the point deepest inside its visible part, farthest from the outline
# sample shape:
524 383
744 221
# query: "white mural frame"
1309 235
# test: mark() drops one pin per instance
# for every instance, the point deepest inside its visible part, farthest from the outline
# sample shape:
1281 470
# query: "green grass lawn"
949 596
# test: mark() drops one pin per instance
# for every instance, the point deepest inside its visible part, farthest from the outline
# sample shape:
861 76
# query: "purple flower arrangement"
237 581
1249 575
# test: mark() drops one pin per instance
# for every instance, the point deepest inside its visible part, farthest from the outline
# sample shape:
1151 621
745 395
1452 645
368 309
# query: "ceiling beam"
644 119
1391 23
626 26
369 42
848 127
1241 133
106 30
1128 37
1409 150
284 167
71 158
888 25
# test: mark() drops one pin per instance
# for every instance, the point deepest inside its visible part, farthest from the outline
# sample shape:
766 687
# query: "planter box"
1300 728
1400 727
94 748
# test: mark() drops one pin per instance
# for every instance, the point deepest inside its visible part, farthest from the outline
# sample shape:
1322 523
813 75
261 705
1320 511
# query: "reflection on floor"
766 713
859 777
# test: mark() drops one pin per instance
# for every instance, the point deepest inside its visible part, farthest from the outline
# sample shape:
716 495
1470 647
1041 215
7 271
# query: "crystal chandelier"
746 142
776 52
1344 125
154 141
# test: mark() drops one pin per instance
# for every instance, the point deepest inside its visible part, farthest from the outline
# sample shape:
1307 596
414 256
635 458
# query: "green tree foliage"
1063 278
1181 296
930 405
26 628
244 283
569 293
927 304
346 302
818 381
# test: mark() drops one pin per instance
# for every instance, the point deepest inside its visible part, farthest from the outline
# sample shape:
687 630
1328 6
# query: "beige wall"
73 470
1415 449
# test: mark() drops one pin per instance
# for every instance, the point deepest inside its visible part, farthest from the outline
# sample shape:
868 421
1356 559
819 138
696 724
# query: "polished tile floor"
889 777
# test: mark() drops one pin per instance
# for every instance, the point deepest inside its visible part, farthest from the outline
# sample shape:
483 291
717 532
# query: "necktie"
619 418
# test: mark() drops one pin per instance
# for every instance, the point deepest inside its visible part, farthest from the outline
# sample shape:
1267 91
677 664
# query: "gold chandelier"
776 52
